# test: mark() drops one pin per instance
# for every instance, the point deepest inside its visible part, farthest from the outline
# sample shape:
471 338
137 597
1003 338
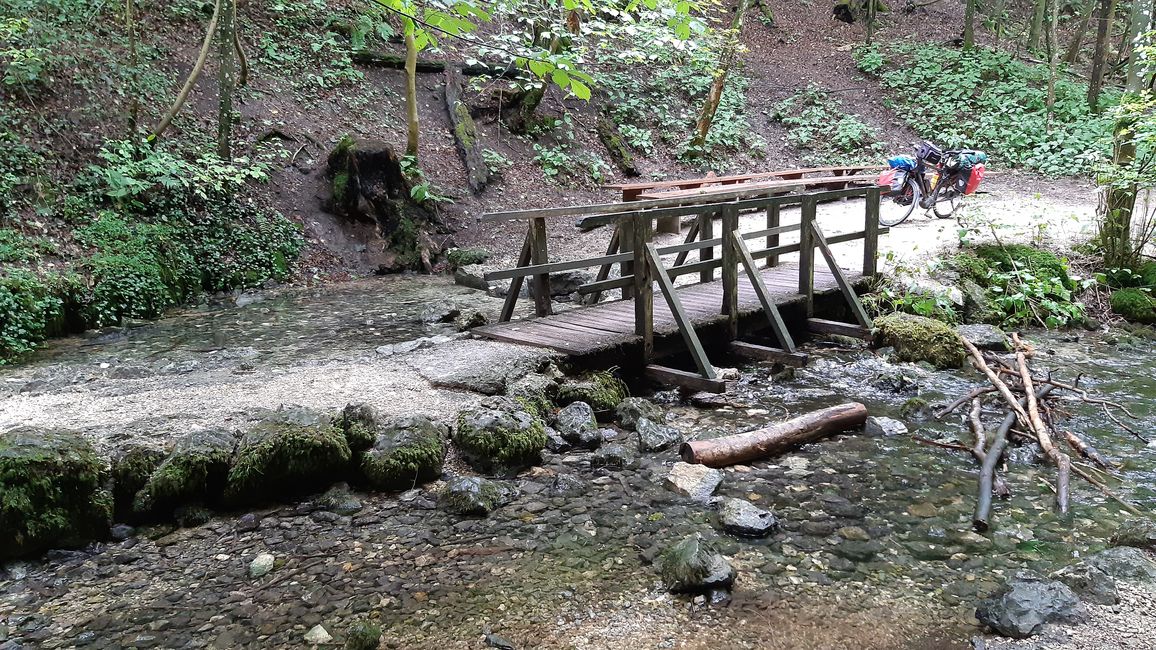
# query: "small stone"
740 517
698 482
247 522
631 409
577 425
317 635
985 337
693 566
613 457
261 565
853 533
656 437
121 532
922 510
880 426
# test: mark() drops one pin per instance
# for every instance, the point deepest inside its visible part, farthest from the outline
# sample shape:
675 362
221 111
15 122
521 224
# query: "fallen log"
379 59
465 133
776 438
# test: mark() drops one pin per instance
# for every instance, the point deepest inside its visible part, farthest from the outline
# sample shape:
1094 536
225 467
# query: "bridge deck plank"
594 328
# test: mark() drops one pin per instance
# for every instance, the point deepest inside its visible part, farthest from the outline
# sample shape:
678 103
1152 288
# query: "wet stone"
261 565
880 426
857 551
556 443
985 337
613 456
697 482
693 566
740 517
1124 562
1138 533
656 437
1022 607
853 533
473 496
1090 583
577 425
631 409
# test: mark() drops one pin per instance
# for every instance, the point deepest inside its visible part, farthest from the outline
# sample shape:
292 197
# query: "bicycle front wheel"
945 201
895 207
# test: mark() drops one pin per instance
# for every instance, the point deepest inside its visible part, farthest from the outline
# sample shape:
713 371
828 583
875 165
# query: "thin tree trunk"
411 141
1053 60
134 89
191 81
1078 38
1100 55
1120 201
226 79
968 25
714 96
872 10
1040 9
1137 28
998 17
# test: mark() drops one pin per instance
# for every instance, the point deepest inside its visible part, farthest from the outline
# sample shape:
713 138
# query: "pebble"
261 565
318 634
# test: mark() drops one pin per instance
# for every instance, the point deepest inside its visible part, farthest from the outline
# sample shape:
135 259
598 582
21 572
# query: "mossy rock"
1020 256
359 423
601 390
534 393
916 338
194 472
977 304
51 492
500 436
473 496
1136 305
693 566
459 257
291 453
131 468
407 451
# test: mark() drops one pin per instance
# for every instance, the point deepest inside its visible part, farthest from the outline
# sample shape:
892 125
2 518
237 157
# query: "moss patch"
406 451
359 424
916 339
51 491
131 469
1135 305
459 257
500 436
293 452
194 472
601 390
1019 256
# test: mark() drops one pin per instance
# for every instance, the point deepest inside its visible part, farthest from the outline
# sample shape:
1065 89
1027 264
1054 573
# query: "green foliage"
916 339
18 168
421 190
1136 305
601 390
363 635
496 162
1026 285
459 257
24 61
890 298
30 307
818 123
991 100
287 455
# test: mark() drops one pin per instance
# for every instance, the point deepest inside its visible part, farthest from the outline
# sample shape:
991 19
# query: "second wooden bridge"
635 321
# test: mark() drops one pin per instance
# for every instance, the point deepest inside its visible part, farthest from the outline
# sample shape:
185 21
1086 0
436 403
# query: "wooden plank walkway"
591 329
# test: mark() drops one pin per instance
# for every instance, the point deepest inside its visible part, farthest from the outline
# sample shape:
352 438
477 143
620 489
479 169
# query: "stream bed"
876 548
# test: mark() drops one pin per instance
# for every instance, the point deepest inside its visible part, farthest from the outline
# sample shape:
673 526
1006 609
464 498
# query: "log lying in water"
775 439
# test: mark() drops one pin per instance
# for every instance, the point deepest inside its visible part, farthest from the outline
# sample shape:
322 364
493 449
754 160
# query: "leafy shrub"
28 307
1136 305
991 100
819 123
1026 286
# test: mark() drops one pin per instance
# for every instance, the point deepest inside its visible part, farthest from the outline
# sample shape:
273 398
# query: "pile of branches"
1033 416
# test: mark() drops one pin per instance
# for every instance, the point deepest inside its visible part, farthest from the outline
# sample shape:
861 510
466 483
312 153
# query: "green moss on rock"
363 635
916 339
195 471
459 257
500 436
473 496
407 451
1019 256
131 469
1135 305
51 491
359 423
601 390
291 453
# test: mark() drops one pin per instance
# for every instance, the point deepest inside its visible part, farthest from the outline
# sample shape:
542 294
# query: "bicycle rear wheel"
895 207
944 201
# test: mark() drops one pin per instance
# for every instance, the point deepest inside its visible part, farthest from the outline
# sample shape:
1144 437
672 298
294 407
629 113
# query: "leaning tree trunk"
1078 37
413 129
465 132
1037 28
714 96
1100 55
226 44
195 74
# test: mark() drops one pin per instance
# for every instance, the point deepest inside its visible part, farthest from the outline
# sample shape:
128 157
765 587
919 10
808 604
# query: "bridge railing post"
643 287
871 232
539 255
807 253
730 271
705 232
772 240
626 245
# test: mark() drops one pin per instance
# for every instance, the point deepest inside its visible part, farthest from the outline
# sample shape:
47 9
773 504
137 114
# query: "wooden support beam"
643 289
730 272
515 284
685 324
705 232
763 353
871 233
539 256
835 327
769 307
683 379
604 270
690 237
844 285
807 254
626 245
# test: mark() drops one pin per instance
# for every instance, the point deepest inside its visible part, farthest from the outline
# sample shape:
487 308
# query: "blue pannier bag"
906 163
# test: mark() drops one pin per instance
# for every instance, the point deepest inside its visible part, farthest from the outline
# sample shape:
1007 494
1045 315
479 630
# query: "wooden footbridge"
752 283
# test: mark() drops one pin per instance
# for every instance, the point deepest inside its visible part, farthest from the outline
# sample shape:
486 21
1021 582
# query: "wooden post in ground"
538 255
604 271
772 240
871 233
730 272
643 288
625 245
705 232
807 254
516 283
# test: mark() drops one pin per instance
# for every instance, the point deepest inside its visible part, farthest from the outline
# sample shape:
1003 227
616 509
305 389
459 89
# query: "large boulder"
359 423
500 436
473 496
1089 583
693 566
578 426
1124 562
1140 533
195 472
916 338
697 482
132 466
406 451
631 409
292 452
985 337
601 390
51 492
741 517
1027 602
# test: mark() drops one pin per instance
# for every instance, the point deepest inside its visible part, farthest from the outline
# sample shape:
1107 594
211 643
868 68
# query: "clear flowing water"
869 524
